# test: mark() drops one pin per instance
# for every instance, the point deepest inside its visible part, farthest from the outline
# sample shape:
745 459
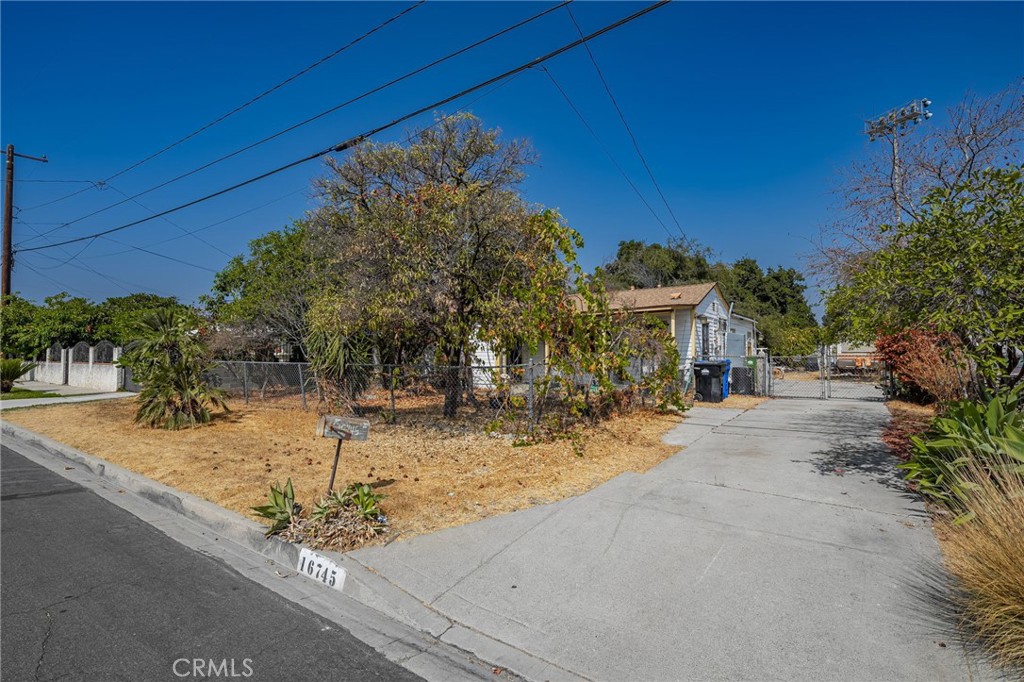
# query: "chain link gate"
826 375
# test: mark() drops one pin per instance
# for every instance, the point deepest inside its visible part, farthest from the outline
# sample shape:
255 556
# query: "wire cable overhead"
315 117
351 142
625 123
244 105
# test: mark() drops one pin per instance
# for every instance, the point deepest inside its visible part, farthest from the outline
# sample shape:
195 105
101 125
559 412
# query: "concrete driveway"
777 545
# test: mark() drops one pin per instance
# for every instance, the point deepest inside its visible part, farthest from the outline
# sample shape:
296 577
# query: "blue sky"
745 112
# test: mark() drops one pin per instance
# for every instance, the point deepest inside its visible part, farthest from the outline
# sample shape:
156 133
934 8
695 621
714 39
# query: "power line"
84 267
173 224
251 210
320 115
250 102
65 287
347 144
606 151
90 182
201 229
622 116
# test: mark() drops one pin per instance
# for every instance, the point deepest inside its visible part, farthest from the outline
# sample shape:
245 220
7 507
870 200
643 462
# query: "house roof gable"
682 296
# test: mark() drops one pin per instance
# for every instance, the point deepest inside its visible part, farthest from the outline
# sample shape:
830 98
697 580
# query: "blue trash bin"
725 379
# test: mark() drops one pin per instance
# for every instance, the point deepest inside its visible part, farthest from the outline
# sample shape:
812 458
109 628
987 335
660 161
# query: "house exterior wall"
740 341
715 311
684 334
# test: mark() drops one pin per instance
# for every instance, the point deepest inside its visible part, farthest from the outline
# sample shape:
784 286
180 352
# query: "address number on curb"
320 568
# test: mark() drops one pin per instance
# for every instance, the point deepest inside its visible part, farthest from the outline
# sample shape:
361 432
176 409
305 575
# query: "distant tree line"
27 329
774 297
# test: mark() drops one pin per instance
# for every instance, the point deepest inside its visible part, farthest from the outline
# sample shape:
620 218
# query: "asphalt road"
90 592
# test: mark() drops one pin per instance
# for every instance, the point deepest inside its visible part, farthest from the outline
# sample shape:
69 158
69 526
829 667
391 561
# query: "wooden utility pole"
8 255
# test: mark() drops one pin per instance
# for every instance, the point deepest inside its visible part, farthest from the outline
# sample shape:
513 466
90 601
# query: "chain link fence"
422 392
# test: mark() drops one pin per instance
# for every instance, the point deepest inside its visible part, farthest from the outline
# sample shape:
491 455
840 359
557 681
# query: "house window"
705 339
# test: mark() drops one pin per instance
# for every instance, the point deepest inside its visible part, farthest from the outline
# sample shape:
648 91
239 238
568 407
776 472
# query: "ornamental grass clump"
984 550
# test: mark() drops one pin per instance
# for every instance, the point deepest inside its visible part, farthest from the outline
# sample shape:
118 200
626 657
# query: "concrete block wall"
101 376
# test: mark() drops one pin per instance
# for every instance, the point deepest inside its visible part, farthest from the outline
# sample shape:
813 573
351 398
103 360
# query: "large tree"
433 242
957 268
118 319
264 298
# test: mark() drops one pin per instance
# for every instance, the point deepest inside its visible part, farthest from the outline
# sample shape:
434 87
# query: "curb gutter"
423 640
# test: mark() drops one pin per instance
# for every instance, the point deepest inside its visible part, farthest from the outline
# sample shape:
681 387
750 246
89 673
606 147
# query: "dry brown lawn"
432 478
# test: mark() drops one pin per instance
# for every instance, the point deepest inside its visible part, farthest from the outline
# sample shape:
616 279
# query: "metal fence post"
529 393
245 381
302 385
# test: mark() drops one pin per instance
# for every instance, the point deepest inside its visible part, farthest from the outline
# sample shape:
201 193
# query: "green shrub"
171 362
11 370
359 498
990 433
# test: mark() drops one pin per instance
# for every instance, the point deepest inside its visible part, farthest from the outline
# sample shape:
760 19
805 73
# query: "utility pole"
889 125
8 255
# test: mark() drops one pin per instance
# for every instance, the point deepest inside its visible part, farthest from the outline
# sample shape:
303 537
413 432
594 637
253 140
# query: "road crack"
42 648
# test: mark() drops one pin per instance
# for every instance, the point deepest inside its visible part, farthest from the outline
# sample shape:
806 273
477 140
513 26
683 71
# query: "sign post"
342 429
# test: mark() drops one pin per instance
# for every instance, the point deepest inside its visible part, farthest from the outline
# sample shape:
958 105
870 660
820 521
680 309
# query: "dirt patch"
907 419
736 402
433 478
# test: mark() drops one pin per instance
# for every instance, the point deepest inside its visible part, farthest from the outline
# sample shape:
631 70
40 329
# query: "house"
697 316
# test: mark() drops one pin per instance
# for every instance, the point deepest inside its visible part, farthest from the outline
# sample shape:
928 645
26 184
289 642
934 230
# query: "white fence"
83 366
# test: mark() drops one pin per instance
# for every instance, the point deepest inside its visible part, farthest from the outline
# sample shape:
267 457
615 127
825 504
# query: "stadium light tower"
889 125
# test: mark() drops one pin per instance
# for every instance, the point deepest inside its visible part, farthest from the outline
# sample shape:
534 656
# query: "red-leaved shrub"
930 365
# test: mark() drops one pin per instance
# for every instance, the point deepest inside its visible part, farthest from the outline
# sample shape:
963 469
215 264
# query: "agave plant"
281 508
170 362
11 370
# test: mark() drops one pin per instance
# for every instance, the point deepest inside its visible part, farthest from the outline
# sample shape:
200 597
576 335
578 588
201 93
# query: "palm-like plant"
170 362
11 370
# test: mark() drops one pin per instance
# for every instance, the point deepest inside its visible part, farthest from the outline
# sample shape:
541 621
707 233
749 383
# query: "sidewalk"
778 545
69 394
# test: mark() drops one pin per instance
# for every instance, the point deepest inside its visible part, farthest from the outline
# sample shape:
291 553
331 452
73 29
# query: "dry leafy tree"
431 245
980 132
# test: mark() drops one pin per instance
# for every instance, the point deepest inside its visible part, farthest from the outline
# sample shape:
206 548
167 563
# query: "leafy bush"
343 520
988 433
358 497
171 362
281 509
928 366
10 371
984 549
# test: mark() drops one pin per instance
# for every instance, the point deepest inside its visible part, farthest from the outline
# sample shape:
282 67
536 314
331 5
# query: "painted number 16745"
320 568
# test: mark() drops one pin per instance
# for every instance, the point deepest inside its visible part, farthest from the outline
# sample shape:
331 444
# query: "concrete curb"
362 585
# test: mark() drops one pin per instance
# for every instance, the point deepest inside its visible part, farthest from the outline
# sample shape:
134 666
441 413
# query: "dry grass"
433 478
736 402
986 554
906 420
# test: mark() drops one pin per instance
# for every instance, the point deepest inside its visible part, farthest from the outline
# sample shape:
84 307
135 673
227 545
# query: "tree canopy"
957 268
264 298
432 245
29 329
775 298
